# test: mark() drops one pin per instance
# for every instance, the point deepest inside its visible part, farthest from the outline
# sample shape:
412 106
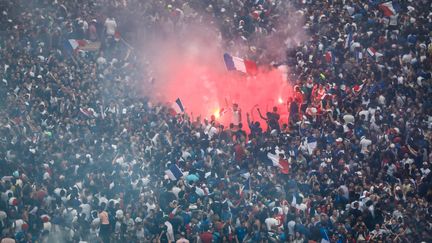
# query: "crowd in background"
85 158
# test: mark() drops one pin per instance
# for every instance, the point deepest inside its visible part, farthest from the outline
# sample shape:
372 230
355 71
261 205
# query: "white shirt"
86 209
365 143
170 231
176 191
236 117
111 26
271 222
212 131
381 100
364 113
425 171
18 225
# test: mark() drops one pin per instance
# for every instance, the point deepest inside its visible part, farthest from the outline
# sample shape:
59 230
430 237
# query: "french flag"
389 8
371 51
75 44
174 172
178 106
238 64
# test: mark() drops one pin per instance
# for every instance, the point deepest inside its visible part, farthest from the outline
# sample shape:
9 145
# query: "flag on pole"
389 8
174 172
178 106
238 64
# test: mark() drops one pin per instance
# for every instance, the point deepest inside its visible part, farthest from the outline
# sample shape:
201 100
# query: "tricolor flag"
178 106
389 8
174 172
74 45
371 51
243 65
275 157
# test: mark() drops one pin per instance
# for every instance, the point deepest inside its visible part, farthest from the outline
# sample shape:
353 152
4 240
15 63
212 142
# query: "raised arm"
262 117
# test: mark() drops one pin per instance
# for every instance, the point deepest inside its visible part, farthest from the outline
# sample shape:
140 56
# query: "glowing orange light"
216 113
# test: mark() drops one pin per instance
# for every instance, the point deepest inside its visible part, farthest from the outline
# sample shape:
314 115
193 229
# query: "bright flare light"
216 113
280 100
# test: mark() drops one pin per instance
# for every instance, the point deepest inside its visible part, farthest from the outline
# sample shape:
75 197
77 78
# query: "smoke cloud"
187 63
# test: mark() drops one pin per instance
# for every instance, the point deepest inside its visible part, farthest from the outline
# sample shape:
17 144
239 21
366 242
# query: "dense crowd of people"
85 158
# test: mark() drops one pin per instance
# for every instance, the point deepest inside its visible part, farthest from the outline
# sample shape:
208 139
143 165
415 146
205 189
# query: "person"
206 236
284 164
236 115
182 238
254 127
78 137
293 109
105 228
110 26
272 119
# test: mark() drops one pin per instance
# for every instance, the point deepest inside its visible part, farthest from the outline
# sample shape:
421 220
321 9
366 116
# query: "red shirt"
206 237
285 166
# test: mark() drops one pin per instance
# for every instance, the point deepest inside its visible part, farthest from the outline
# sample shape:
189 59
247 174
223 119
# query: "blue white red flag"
239 64
389 8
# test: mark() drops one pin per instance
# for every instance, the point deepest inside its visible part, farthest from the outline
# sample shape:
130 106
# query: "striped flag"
238 64
174 172
371 51
178 106
389 8
74 45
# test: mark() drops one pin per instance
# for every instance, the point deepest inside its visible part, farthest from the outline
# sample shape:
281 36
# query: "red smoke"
194 71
